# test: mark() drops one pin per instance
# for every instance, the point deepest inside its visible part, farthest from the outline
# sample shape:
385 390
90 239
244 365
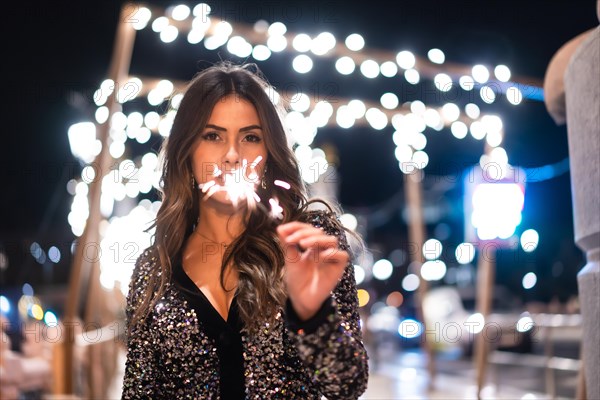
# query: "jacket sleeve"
330 343
140 380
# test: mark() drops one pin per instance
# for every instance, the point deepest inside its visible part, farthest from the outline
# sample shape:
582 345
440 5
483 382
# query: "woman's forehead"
234 109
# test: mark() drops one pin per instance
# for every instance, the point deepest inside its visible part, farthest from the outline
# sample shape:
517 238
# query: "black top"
322 356
225 334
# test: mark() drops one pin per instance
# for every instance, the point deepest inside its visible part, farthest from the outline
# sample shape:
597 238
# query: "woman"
226 303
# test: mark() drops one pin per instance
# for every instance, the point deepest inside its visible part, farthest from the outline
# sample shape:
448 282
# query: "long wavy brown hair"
256 253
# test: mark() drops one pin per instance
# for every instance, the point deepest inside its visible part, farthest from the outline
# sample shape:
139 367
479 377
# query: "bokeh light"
302 64
349 221
405 59
480 73
436 56
410 328
359 274
502 73
529 240
433 270
529 280
525 323
345 65
394 299
432 249
355 42
475 323
410 282
363 297
465 253
4 305
50 319
382 269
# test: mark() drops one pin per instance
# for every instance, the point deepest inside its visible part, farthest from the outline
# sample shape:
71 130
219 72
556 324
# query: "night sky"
57 53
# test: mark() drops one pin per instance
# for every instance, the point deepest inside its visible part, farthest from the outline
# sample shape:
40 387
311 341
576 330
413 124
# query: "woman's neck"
221 225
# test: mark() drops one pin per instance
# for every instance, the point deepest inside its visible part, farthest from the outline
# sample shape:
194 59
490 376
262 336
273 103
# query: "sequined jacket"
171 357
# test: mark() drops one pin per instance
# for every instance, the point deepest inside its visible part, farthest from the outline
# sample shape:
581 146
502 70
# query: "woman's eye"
210 136
252 138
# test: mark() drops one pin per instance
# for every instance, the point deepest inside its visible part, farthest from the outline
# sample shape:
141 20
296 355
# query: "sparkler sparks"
276 209
236 184
240 187
283 184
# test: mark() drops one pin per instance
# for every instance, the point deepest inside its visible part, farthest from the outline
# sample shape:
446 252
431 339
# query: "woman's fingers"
322 250
305 235
298 232
290 227
334 256
318 242
312 243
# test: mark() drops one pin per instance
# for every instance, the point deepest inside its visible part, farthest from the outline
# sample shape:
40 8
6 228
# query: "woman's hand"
314 264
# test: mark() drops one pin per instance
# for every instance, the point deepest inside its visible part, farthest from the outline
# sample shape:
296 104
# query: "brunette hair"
256 253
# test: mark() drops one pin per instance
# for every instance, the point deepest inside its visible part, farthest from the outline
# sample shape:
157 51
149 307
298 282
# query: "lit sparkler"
282 184
240 187
276 209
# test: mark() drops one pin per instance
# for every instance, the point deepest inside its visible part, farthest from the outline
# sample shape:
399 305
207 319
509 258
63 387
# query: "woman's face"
232 134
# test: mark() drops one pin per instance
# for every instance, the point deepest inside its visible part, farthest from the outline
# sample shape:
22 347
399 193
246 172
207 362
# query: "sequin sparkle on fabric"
171 357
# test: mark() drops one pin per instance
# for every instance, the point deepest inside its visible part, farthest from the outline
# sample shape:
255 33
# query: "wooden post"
94 300
416 234
485 290
88 247
580 390
486 269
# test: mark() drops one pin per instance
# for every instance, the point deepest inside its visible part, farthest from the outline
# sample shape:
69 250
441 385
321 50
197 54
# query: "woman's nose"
232 156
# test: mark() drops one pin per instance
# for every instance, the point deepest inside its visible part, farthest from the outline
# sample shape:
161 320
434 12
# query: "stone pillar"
582 97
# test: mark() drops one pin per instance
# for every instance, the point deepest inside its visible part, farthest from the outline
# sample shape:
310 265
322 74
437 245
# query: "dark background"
57 53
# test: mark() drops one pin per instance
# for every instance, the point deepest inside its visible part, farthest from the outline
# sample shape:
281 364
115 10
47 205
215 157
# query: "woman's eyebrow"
250 128
244 129
215 127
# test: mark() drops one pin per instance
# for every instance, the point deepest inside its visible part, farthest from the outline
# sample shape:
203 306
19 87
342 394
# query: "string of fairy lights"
409 120
263 39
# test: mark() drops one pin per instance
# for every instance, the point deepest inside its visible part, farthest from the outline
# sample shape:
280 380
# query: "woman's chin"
222 200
